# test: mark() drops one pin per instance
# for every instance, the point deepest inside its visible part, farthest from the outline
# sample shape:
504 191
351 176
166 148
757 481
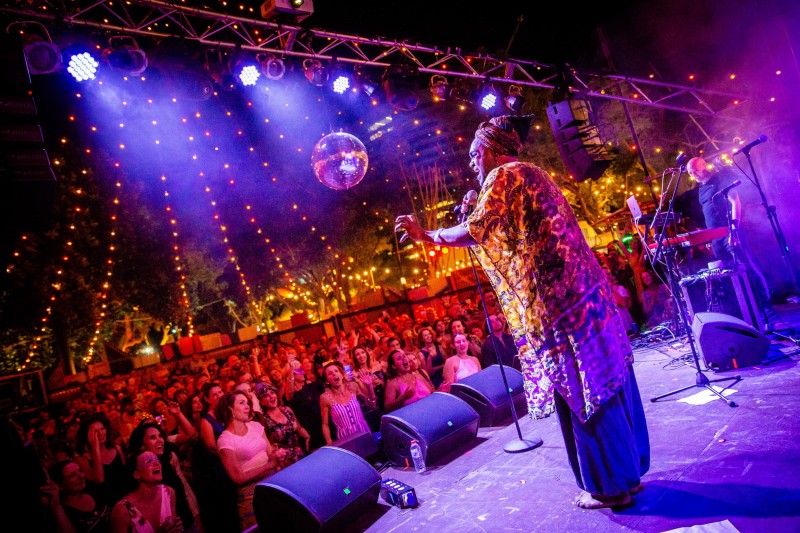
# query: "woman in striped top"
341 401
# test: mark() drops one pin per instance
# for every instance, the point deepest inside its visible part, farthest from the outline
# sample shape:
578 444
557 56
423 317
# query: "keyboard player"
717 207
720 200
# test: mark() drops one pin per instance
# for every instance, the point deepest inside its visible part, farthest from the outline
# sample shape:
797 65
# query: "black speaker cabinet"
440 423
361 444
728 292
577 139
486 392
324 491
726 342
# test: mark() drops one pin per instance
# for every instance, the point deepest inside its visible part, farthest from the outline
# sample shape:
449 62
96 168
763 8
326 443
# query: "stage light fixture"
341 84
244 67
366 83
82 66
42 55
272 68
249 75
487 98
369 87
287 10
439 88
315 72
514 100
123 54
342 77
401 83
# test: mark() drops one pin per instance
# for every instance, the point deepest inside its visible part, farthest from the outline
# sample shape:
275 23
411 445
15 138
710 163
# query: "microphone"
467 204
681 161
746 148
729 187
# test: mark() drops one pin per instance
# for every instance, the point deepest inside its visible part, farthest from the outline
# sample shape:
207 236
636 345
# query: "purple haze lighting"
249 75
83 66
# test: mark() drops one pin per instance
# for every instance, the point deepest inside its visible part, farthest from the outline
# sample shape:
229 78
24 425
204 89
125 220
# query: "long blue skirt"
611 451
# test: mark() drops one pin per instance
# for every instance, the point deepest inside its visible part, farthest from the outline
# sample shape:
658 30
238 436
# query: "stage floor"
710 462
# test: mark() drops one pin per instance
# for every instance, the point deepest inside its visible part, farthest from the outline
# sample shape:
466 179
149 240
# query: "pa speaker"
726 342
577 138
361 444
440 423
486 392
324 491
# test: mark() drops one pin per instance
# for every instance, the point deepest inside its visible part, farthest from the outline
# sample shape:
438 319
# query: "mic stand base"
522 445
702 381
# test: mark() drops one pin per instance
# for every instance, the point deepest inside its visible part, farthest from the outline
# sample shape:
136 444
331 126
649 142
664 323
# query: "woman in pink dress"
341 401
404 386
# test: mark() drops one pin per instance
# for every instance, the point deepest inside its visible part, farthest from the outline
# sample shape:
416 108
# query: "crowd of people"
181 447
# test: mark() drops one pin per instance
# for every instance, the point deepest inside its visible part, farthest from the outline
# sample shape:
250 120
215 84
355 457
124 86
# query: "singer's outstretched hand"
410 227
454 236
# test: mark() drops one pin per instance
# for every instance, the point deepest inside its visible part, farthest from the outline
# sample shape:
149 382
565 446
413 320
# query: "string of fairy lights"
105 287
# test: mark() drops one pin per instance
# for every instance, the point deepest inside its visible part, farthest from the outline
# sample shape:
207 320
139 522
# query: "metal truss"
243 30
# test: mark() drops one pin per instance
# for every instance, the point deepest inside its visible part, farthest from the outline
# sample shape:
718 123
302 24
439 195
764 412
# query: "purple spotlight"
249 75
341 84
83 66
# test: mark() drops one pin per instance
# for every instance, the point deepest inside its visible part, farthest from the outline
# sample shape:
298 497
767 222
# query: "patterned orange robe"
553 291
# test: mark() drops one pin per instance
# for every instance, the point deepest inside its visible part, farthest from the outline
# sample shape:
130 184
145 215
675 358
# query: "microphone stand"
521 444
776 228
701 380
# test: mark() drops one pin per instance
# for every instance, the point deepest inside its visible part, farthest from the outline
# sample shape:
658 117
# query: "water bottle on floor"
416 455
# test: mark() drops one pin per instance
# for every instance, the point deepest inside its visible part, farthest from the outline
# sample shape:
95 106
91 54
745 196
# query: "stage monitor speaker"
578 140
440 423
324 491
361 444
727 292
726 342
486 392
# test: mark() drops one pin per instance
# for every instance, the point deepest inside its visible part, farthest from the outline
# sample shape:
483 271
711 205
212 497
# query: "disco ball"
339 161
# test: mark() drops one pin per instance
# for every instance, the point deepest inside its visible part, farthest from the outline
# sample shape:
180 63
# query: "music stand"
663 248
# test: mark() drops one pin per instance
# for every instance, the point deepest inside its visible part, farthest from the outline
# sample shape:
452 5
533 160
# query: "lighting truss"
160 19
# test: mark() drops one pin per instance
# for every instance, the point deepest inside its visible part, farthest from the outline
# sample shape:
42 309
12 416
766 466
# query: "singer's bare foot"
636 490
597 501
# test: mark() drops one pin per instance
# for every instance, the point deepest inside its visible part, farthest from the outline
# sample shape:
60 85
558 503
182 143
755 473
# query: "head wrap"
504 134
